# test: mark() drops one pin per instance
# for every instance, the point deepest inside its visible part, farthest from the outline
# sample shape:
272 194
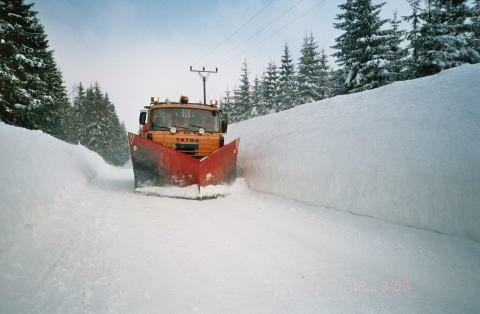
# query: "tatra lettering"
187 140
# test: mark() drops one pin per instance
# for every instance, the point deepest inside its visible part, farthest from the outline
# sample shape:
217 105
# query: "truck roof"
179 105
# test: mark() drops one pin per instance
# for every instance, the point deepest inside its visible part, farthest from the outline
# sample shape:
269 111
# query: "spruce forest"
32 94
371 52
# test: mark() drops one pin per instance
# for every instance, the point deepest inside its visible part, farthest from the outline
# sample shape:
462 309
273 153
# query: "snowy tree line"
372 52
281 87
32 94
93 122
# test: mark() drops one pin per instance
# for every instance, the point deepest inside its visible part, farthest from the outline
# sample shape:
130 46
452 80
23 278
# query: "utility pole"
204 79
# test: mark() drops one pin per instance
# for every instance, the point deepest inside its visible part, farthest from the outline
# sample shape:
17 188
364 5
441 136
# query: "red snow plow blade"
157 165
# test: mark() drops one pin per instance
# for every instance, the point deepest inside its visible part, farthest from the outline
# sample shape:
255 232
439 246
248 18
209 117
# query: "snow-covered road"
74 238
105 249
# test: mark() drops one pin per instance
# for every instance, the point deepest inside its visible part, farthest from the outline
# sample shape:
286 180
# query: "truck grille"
189 149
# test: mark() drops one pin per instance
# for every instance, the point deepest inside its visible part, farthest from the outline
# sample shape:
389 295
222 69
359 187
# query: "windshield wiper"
179 126
160 127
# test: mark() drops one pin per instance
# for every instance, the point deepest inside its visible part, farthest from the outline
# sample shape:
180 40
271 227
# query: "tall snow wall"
35 170
407 153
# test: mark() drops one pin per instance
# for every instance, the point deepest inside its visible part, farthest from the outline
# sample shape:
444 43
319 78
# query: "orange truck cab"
193 129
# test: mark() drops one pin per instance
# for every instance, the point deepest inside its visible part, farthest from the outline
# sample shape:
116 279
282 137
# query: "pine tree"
429 45
309 72
243 100
31 91
95 112
458 21
227 105
77 125
413 36
226 101
115 151
122 152
270 87
444 38
363 46
396 55
324 88
54 98
474 36
337 82
259 106
287 96
67 130
21 40
236 112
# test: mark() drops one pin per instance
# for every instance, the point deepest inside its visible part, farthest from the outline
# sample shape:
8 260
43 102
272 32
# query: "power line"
257 32
234 32
183 80
223 43
273 33
193 82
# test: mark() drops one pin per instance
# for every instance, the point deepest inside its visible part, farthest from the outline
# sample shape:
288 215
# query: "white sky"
138 49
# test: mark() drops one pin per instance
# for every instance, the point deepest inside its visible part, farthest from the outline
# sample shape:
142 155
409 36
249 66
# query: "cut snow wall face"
408 153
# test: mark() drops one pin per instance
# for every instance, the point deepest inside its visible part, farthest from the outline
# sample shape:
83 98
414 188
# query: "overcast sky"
136 49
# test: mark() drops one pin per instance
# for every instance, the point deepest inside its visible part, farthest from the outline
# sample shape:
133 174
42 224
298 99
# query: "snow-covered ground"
74 238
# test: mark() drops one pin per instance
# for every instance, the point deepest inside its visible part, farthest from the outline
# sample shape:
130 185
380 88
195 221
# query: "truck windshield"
184 119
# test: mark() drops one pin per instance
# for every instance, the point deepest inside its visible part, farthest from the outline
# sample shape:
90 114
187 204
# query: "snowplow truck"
182 144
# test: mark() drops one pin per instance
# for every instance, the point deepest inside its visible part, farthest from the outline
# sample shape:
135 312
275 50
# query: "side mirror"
224 124
143 117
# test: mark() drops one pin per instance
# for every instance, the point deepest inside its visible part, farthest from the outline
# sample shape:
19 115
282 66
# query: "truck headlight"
201 131
173 130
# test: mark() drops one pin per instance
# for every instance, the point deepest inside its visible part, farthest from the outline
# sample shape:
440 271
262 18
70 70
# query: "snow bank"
35 170
407 153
